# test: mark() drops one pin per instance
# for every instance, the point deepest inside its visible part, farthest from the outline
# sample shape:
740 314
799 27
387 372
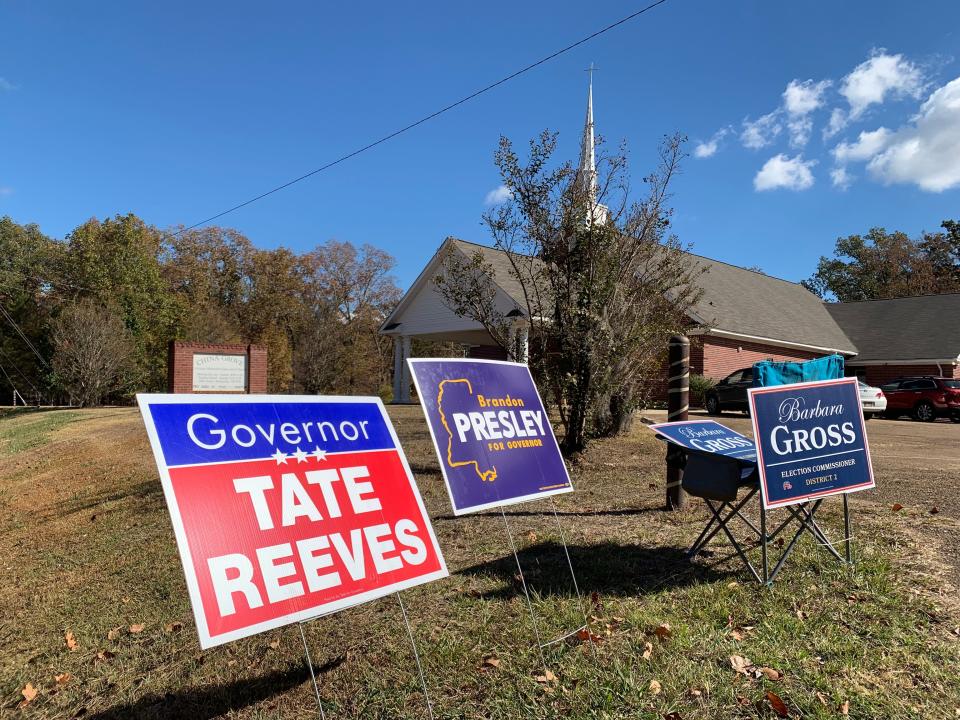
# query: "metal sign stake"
573 576
526 593
316 688
416 657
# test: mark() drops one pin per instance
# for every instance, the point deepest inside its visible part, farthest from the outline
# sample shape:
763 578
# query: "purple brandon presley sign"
491 432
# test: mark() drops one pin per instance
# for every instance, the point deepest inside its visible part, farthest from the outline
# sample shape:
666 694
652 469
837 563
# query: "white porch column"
397 367
523 351
404 395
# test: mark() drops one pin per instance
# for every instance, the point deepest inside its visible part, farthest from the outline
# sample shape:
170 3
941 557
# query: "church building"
743 316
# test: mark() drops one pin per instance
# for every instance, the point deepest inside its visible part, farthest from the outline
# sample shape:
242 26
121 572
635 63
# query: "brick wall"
718 357
878 375
180 364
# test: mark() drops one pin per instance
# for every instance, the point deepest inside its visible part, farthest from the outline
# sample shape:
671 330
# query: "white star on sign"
300 455
280 457
318 453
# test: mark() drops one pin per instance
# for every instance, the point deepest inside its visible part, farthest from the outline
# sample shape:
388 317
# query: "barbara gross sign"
490 431
707 436
286 508
811 440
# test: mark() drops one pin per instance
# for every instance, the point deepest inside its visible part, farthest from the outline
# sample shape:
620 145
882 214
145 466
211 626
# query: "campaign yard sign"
707 436
811 441
286 508
491 432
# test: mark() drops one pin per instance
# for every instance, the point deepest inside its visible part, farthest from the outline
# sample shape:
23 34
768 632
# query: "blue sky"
177 110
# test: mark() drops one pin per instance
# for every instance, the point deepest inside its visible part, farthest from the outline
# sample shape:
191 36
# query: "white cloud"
799 100
841 178
882 75
838 121
762 131
926 152
785 172
6 85
497 195
868 144
709 147
802 98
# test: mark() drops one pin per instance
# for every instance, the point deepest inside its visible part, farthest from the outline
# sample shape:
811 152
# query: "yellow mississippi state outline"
485 476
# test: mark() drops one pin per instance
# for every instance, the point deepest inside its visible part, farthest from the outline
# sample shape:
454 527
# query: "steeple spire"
587 171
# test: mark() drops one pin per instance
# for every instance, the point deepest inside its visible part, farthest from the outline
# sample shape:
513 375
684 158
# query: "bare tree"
93 352
603 281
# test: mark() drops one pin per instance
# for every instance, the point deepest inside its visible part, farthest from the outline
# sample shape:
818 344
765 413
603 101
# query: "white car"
872 399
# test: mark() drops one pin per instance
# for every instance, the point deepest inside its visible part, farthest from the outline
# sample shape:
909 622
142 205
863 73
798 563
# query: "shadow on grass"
560 513
605 568
209 702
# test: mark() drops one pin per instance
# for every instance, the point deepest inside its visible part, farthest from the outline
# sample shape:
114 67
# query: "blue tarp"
768 372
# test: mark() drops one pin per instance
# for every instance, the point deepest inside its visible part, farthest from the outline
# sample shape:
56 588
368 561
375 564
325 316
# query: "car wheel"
955 417
713 405
924 412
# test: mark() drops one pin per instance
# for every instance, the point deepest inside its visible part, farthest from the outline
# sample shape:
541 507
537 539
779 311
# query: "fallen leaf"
62 678
822 698
655 687
779 707
733 584
663 631
737 634
770 673
70 640
740 664
897 507
647 650
547 677
490 661
845 707
275 645
531 536
596 603
934 510
177 626
115 633
801 615
137 628
585 635
29 692
105 655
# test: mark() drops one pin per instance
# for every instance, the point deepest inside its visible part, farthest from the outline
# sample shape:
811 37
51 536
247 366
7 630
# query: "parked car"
923 398
730 393
872 399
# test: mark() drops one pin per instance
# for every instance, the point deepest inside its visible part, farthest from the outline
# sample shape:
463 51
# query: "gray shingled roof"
734 299
913 328
751 303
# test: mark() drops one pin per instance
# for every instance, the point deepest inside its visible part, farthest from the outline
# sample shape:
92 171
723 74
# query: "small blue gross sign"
707 436
811 441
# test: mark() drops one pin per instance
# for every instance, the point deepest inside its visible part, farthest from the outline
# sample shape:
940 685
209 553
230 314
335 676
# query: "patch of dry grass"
87 549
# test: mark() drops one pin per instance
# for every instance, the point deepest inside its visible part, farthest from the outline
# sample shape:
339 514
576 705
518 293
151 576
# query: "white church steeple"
587 172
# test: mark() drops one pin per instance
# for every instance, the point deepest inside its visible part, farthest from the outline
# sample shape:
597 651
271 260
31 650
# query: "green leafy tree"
882 265
116 262
603 281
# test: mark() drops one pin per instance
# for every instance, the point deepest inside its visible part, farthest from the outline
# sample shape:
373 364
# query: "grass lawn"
94 614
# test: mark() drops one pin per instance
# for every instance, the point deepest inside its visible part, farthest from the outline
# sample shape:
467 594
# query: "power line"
25 338
429 117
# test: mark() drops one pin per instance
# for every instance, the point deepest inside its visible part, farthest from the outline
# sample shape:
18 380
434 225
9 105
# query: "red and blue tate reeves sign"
811 441
286 508
491 432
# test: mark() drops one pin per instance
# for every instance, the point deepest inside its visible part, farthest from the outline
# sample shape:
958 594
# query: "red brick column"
180 364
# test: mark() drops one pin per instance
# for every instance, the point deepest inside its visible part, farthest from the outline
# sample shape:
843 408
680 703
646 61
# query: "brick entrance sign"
194 367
